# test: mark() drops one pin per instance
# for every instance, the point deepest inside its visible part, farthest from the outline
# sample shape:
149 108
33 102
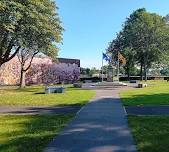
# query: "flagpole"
102 66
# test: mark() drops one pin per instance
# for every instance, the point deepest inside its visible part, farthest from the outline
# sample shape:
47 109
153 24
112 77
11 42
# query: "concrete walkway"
100 126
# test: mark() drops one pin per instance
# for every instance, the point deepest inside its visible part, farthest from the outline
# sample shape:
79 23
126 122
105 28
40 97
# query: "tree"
93 71
82 71
85 71
130 61
105 69
148 34
165 71
25 57
122 45
119 44
144 40
28 25
88 71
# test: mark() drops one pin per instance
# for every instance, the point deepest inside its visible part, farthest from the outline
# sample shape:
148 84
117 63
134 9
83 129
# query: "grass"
33 133
29 133
34 96
157 93
151 133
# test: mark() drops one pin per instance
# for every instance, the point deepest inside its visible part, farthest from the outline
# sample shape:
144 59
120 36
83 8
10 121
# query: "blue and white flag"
106 57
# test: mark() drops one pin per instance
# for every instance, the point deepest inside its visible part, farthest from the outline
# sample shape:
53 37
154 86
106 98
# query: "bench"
142 85
77 85
87 81
133 81
54 89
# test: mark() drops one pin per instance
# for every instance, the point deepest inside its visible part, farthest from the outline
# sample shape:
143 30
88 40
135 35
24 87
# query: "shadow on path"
100 126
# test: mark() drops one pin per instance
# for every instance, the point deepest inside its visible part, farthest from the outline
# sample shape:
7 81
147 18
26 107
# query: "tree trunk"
112 74
145 73
128 74
145 67
22 78
141 72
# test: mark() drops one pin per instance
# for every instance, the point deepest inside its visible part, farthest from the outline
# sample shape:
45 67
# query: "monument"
110 73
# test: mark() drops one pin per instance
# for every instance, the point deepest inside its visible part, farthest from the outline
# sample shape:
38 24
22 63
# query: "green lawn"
151 133
32 133
29 133
157 93
35 96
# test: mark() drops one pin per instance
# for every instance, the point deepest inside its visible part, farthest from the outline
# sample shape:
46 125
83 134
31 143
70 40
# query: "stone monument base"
114 83
104 84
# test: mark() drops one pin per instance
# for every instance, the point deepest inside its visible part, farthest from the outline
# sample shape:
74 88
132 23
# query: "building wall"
42 71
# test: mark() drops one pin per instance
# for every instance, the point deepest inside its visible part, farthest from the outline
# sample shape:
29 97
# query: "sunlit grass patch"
151 133
157 93
29 133
34 96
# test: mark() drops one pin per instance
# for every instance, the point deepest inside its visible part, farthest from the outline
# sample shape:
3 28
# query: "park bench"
142 85
133 81
77 85
87 81
54 89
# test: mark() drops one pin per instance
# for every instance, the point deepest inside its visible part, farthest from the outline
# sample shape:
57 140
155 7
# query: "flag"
106 57
121 58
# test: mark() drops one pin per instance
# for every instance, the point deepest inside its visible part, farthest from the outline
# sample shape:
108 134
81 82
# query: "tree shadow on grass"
39 92
35 133
152 99
58 110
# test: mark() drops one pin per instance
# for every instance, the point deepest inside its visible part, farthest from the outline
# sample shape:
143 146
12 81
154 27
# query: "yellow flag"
122 58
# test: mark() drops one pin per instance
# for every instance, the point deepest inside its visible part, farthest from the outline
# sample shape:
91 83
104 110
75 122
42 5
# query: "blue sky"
91 24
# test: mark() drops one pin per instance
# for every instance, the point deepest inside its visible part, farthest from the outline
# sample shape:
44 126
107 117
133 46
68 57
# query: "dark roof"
69 61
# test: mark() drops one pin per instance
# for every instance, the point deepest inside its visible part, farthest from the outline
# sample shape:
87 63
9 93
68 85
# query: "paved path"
147 110
100 126
29 110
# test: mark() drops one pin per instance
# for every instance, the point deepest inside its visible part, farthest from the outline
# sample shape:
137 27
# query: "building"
43 70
